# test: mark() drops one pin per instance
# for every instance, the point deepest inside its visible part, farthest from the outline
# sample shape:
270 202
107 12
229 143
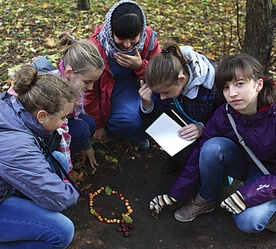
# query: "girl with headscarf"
126 44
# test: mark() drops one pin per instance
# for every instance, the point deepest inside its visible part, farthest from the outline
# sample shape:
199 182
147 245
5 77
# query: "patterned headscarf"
106 36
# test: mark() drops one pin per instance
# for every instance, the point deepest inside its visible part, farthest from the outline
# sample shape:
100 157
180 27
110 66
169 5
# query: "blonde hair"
80 55
42 92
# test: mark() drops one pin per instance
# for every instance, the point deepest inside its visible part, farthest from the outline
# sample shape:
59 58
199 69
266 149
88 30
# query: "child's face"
85 81
165 92
126 44
171 91
52 123
242 94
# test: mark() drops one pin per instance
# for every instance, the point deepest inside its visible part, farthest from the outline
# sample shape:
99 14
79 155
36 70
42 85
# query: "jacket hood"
202 72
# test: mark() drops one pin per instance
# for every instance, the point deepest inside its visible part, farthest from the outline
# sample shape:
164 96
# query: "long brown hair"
164 68
42 92
251 69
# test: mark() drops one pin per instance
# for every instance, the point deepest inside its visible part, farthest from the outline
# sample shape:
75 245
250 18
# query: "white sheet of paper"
164 131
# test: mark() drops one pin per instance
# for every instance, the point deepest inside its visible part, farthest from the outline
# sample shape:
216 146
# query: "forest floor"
138 177
31 28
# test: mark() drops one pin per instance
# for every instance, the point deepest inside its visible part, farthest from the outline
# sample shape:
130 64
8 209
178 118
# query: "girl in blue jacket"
251 101
32 195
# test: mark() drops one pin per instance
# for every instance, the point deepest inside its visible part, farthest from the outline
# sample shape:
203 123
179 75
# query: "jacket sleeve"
189 180
24 167
150 49
159 106
260 191
92 98
92 103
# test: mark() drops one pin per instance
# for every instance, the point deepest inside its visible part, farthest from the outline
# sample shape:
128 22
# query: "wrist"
147 108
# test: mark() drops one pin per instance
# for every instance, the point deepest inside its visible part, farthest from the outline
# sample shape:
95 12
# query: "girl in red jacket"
126 44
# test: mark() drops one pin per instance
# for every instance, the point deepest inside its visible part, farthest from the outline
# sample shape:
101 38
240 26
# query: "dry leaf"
146 166
45 5
50 42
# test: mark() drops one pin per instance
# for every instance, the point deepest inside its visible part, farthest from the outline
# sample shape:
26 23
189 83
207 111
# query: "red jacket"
97 101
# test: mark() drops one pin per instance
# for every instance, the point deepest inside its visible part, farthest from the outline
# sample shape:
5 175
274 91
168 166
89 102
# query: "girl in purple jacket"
251 101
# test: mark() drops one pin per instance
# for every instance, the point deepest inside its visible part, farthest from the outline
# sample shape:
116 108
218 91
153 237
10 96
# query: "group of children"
114 85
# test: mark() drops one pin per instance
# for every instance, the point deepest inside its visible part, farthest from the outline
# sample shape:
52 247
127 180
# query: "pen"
179 117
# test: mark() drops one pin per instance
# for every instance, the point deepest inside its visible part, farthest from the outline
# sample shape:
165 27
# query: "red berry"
126 234
119 229
124 229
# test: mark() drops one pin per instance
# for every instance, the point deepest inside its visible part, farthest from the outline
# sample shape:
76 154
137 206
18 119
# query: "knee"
59 156
211 149
81 133
69 234
65 233
249 224
42 64
216 146
84 130
90 121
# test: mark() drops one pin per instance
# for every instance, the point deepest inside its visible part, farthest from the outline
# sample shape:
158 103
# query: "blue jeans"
42 64
124 120
221 157
62 159
25 225
81 131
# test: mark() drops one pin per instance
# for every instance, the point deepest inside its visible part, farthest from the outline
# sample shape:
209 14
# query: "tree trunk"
83 4
259 34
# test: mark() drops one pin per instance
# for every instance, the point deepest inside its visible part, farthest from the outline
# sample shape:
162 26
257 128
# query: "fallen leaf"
146 166
50 42
45 5
108 190
127 218
87 186
111 159
78 165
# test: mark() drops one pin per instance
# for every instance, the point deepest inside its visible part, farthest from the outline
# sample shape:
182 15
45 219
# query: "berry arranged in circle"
125 216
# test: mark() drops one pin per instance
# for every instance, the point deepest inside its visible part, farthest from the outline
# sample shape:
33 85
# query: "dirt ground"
138 176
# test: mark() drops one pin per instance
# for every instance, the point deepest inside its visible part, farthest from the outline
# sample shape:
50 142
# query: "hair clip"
164 51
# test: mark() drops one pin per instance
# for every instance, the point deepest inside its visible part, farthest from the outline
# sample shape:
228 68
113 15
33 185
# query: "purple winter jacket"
259 133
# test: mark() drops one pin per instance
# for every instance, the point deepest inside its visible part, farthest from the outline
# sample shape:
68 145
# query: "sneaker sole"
187 220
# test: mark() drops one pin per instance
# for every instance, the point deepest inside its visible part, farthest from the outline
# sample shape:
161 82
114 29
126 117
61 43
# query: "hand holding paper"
164 131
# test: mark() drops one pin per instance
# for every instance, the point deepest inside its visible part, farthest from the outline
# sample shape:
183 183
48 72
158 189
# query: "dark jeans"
81 130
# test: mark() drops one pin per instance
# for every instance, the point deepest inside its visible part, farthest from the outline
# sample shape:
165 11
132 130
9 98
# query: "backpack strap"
58 167
241 141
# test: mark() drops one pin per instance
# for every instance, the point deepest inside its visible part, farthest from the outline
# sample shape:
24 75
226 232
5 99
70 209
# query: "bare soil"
138 176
